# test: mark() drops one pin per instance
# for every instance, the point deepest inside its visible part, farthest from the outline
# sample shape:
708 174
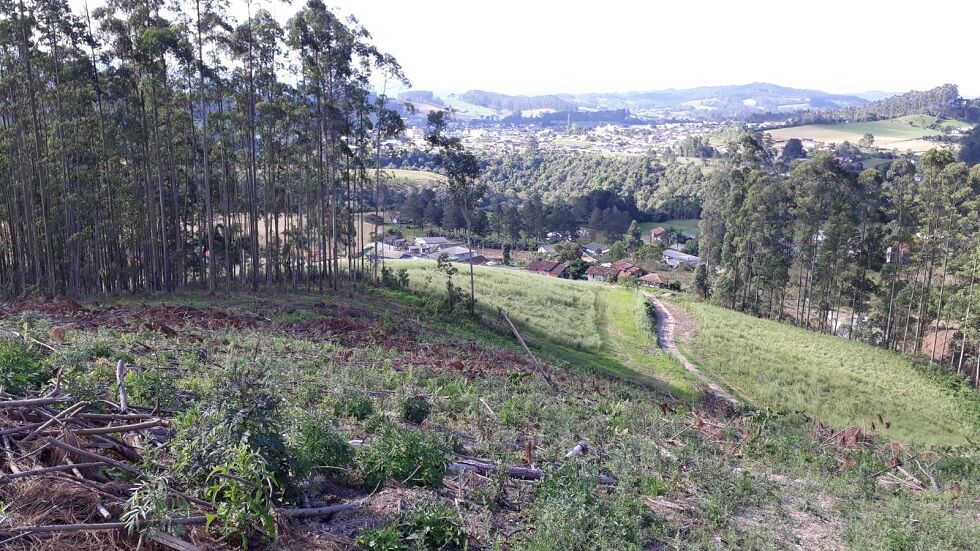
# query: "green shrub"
317 449
21 369
433 526
411 457
240 408
377 423
570 514
241 489
151 387
415 409
357 406
427 526
381 539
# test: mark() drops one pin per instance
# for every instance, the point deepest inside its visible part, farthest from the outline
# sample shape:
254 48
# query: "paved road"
665 334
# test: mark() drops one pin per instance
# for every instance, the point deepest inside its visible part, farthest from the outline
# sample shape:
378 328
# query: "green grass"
687 226
405 178
591 326
837 381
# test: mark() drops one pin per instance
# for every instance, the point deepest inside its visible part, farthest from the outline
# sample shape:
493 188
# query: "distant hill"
707 102
942 102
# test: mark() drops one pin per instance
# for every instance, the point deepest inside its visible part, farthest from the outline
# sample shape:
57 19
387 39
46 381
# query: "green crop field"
687 226
413 178
902 133
593 326
837 381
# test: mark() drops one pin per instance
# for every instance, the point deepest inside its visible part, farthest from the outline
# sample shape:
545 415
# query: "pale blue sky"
533 47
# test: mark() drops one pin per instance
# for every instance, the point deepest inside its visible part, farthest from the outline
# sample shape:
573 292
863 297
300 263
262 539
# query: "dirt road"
665 335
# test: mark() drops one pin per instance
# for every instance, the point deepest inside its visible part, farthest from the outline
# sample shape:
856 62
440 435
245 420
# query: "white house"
676 259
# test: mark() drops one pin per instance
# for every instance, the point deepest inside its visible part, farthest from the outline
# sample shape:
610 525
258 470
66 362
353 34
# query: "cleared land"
902 133
593 326
837 381
687 226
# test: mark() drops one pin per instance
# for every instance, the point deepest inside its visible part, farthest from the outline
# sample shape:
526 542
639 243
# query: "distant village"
549 260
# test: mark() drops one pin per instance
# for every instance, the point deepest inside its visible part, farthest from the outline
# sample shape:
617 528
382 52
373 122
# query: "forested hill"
942 101
503 102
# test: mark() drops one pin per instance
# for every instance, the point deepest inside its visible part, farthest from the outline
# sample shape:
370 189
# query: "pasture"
687 226
840 382
592 326
901 134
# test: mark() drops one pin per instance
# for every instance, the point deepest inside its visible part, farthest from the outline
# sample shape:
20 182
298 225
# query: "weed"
21 369
415 409
317 449
407 456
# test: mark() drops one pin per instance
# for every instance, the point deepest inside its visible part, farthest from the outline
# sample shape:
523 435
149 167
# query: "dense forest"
890 258
148 146
649 188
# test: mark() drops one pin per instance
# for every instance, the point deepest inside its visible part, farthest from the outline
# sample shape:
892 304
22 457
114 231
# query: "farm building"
432 244
600 273
596 249
455 253
548 249
676 259
656 234
624 269
652 280
548 268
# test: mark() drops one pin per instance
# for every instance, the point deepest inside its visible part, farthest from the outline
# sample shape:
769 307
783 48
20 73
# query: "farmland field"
902 133
837 381
591 325
687 226
412 178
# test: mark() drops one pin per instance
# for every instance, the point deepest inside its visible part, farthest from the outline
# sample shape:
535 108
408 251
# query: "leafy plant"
357 406
151 387
411 457
316 448
415 409
154 504
21 369
433 526
387 538
569 513
241 491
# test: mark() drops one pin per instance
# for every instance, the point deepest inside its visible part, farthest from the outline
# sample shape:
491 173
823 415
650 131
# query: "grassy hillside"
902 133
837 381
404 178
593 326
269 391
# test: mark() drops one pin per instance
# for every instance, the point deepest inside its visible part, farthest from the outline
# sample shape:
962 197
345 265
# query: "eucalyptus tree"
461 169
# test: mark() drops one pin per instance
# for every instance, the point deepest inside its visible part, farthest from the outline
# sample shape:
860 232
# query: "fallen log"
93 456
34 402
120 428
56 468
308 512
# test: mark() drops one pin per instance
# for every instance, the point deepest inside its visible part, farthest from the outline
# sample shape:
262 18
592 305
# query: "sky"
541 47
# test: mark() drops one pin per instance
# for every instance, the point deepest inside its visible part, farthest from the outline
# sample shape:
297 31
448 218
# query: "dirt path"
665 335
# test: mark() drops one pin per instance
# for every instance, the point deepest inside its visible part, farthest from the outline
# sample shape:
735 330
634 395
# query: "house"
399 218
378 246
658 233
598 272
548 268
676 259
455 253
902 252
477 260
596 249
679 247
428 245
588 259
625 269
652 279
388 254
548 249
